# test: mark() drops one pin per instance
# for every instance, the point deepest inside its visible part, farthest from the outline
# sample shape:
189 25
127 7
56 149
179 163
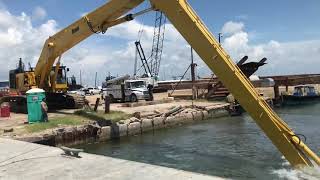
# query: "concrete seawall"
133 126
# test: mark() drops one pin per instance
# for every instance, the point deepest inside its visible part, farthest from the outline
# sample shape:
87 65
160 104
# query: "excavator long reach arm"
189 24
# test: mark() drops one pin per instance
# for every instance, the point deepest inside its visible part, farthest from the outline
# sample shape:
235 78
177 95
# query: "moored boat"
302 94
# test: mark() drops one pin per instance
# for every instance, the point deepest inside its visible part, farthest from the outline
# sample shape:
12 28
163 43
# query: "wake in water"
307 173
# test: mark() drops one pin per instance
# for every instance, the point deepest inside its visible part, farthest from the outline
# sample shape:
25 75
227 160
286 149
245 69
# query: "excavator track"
18 104
64 101
75 101
55 101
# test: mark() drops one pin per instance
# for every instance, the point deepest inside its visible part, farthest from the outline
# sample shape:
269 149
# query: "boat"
302 94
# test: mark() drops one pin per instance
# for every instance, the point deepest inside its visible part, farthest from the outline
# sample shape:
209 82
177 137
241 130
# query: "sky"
286 32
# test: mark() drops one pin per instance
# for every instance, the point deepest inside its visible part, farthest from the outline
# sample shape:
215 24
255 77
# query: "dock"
23 160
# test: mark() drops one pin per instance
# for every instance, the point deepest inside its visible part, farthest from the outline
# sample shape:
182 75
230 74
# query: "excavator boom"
188 23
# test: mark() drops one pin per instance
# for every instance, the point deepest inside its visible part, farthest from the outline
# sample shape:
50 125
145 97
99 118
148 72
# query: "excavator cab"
59 82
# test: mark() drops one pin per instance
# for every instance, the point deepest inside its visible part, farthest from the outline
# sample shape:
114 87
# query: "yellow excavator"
190 26
56 87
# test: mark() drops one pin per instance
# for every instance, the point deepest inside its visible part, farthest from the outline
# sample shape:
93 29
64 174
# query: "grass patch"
114 116
80 117
53 123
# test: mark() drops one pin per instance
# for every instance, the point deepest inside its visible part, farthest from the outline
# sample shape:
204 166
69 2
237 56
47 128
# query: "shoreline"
102 131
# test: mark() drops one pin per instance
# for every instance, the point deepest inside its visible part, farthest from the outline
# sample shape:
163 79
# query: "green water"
231 147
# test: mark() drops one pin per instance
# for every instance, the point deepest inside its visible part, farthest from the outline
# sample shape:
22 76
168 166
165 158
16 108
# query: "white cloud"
232 27
238 42
39 13
129 31
18 38
283 58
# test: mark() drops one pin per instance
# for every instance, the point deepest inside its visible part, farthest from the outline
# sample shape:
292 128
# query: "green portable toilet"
34 99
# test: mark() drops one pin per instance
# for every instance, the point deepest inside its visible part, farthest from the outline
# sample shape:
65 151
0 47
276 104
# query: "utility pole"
80 78
95 80
193 77
135 64
220 36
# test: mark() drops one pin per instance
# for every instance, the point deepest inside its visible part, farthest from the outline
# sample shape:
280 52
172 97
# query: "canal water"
231 147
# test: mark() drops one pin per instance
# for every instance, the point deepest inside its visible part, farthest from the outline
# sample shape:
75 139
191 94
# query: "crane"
157 43
190 26
152 64
143 59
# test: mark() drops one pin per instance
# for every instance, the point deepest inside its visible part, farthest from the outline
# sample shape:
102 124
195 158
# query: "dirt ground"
162 107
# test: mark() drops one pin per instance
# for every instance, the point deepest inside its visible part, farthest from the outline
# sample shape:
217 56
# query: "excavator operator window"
61 76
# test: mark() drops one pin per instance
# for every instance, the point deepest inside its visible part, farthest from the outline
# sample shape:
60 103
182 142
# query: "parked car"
78 92
93 91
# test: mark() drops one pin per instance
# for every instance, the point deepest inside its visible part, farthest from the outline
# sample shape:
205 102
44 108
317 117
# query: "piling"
107 104
96 105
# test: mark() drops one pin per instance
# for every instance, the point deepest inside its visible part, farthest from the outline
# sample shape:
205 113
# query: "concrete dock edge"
28 161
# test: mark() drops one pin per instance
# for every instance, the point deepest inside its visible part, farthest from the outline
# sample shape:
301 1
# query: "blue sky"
284 31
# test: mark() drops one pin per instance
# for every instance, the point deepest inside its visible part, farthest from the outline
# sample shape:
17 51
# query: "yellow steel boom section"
188 23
